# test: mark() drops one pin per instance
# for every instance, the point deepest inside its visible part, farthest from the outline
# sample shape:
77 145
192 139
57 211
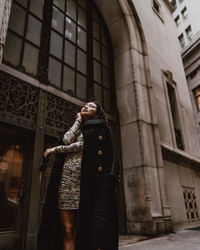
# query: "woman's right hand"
47 152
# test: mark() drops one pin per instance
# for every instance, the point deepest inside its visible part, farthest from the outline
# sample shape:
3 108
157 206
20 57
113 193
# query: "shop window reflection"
11 165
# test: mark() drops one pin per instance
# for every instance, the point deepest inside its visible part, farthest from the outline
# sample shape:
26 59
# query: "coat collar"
93 122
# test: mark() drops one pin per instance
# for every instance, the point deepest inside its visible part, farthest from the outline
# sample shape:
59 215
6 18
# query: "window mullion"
76 53
90 85
45 42
63 47
24 35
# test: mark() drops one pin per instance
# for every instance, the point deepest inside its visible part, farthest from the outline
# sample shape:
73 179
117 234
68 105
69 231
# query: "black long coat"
97 223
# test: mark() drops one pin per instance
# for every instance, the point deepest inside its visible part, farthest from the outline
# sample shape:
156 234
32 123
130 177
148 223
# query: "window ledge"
159 15
180 157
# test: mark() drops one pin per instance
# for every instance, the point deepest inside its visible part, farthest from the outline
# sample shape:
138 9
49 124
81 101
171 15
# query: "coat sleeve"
73 147
70 136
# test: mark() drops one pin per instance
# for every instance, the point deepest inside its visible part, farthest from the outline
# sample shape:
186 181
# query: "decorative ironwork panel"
60 114
190 204
18 101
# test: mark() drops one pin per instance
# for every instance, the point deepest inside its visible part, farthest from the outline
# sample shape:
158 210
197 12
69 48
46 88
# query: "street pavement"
182 240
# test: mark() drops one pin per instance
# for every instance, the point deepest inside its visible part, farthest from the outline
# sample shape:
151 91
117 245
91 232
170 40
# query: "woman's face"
89 111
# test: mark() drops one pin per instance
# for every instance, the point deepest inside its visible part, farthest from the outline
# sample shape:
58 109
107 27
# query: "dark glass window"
193 74
156 6
23 37
181 41
175 116
189 33
196 92
184 13
174 4
177 21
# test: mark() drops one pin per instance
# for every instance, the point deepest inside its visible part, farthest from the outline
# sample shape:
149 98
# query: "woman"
81 192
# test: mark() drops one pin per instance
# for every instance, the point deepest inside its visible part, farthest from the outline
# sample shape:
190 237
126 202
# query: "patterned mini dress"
69 188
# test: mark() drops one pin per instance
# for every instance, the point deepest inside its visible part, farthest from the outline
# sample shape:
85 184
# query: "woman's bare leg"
67 218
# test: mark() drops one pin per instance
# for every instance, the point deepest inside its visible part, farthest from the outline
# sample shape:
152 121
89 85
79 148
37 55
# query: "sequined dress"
69 188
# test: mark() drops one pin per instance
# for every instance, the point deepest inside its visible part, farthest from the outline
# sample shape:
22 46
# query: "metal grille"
190 204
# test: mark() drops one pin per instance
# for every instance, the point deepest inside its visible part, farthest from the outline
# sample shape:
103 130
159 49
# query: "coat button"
100 152
100 168
100 137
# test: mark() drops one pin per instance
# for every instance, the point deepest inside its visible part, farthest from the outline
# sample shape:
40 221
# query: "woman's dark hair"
100 112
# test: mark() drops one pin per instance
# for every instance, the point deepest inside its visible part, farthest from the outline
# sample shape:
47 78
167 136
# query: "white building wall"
181 178
164 54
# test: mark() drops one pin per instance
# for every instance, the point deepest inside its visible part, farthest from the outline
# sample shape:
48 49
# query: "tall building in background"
191 62
187 19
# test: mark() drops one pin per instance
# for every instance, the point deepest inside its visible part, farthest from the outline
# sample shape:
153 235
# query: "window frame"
167 77
177 21
197 97
174 4
24 39
158 12
183 11
189 33
179 38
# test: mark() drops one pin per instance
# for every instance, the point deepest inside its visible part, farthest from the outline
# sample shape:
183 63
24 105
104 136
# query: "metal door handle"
21 188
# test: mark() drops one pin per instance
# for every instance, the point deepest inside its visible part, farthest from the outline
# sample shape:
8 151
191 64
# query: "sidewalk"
183 240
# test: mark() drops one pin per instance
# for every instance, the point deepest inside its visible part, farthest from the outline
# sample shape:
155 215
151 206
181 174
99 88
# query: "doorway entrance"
15 166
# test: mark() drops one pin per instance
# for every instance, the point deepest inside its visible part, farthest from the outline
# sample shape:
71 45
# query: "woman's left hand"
47 152
78 115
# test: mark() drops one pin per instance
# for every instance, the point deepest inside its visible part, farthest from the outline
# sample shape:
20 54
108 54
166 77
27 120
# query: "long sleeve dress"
69 187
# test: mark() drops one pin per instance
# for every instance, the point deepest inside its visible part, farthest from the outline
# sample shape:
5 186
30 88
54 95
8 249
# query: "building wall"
163 54
186 183
163 51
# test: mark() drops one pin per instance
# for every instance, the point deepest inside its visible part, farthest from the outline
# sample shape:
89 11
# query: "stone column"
147 209
5 8
34 206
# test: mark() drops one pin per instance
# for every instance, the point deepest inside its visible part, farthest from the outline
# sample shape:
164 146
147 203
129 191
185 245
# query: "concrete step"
182 240
125 240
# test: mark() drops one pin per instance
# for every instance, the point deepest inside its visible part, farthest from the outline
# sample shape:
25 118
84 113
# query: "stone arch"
141 154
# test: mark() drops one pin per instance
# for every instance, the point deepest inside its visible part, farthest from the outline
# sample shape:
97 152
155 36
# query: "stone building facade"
187 20
134 69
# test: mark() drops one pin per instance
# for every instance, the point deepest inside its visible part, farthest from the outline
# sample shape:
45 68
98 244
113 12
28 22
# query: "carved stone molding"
4 25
